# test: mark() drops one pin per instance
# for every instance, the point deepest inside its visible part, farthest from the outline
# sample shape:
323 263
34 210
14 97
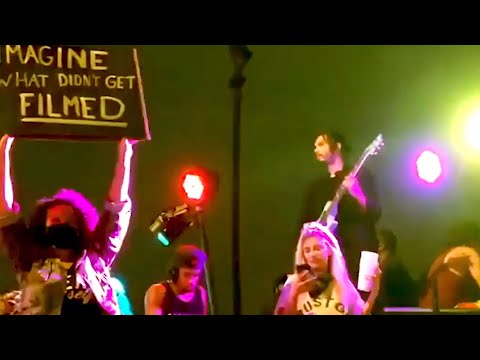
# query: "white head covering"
318 230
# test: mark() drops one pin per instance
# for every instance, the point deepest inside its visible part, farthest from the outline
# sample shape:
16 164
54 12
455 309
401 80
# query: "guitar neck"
339 194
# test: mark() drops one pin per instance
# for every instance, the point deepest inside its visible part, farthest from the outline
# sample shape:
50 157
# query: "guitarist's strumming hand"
353 186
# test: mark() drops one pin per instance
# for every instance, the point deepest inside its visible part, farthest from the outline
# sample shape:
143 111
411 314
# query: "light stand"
240 56
204 244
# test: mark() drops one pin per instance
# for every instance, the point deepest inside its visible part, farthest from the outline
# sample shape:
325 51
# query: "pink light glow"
429 167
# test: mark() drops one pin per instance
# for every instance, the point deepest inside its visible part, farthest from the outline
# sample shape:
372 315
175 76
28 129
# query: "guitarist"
358 210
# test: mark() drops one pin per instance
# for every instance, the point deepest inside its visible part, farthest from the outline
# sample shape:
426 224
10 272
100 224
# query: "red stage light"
193 186
199 186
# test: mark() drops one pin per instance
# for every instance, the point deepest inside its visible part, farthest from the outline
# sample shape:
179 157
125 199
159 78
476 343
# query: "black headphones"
174 273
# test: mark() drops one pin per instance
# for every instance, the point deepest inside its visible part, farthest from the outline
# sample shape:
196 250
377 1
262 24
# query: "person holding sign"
63 256
321 284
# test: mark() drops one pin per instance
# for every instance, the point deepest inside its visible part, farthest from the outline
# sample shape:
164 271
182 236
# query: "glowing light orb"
429 167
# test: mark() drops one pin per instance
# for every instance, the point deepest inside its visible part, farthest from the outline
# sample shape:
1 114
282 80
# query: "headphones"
174 272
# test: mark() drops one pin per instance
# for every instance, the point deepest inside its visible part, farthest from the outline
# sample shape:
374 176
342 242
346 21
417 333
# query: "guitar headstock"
376 145
372 149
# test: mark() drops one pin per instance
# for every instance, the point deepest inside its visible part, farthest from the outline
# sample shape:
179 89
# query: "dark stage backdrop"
409 93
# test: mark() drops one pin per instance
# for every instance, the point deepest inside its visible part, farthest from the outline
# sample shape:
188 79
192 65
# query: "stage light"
193 186
171 223
199 186
465 128
429 167
163 239
472 131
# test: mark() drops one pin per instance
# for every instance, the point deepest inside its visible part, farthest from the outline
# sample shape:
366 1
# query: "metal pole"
240 55
206 248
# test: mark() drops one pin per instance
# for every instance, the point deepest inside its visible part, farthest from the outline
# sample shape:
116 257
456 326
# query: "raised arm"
13 231
114 222
6 188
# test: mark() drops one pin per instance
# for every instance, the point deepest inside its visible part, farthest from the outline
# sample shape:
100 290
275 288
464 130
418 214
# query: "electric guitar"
327 218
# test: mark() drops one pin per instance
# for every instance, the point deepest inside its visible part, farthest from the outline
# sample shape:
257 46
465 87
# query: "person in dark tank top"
182 294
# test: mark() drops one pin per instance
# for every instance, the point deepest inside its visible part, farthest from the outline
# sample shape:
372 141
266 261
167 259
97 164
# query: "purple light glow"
429 167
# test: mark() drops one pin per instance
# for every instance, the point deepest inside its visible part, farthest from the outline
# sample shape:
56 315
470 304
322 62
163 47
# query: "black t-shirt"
173 305
79 300
356 225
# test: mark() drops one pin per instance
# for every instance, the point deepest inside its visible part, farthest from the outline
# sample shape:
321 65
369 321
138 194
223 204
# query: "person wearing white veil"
320 284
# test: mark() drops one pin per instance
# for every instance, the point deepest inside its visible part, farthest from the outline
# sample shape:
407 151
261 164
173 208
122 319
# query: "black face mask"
63 236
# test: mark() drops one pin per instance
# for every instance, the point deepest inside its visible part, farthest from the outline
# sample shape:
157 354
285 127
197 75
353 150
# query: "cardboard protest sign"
72 92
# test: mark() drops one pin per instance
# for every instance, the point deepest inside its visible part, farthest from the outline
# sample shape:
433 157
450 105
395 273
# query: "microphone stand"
204 244
240 56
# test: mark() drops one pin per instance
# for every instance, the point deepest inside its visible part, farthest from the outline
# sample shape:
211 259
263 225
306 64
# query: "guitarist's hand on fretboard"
351 184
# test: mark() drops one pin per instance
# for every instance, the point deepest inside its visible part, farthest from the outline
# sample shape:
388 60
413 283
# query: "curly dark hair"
28 243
